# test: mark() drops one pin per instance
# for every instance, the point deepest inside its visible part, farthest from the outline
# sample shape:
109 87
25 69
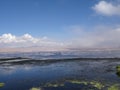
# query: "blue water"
65 54
23 76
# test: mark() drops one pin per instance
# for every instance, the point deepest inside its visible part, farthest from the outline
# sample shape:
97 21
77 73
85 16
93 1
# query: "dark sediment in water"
21 60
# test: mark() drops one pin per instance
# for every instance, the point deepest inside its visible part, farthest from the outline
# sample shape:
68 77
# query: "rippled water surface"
52 71
25 76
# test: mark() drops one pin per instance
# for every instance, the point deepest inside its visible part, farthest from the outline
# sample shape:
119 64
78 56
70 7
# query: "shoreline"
20 60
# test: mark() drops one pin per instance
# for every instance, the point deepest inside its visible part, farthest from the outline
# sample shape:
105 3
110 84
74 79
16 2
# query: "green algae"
114 87
47 85
78 82
118 70
36 88
95 84
2 85
90 85
54 85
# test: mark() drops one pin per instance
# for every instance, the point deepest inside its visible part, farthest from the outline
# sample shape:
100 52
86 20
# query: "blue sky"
45 17
54 18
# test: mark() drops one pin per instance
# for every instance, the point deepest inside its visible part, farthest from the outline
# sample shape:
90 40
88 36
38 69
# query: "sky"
60 23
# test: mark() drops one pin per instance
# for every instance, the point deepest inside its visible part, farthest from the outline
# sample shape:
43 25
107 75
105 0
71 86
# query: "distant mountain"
94 49
31 49
58 49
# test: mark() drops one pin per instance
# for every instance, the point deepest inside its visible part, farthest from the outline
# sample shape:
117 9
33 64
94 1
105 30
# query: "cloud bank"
12 41
99 37
107 8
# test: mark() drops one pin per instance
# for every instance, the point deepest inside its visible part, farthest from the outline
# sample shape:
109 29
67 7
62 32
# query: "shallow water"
64 54
28 75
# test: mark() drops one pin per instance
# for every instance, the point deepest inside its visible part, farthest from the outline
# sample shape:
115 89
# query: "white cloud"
107 8
9 40
100 37
28 37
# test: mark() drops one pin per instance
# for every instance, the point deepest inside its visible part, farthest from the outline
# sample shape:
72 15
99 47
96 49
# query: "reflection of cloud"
27 67
5 70
107 8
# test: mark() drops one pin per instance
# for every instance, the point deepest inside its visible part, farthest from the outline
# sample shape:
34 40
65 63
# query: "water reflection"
25 76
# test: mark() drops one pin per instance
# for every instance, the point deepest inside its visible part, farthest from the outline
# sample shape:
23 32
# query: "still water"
71 74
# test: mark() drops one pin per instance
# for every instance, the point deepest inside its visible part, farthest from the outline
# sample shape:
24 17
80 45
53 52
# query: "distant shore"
21 60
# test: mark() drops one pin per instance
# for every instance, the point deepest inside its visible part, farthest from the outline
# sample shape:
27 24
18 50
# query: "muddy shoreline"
21 60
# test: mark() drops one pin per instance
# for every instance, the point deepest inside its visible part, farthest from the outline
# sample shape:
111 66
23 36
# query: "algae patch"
88 84
114 87
2 85
35 88
95 84
78 82
54 85
83 85
118 70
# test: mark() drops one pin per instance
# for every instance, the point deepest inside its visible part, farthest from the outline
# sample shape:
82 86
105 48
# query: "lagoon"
72 74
